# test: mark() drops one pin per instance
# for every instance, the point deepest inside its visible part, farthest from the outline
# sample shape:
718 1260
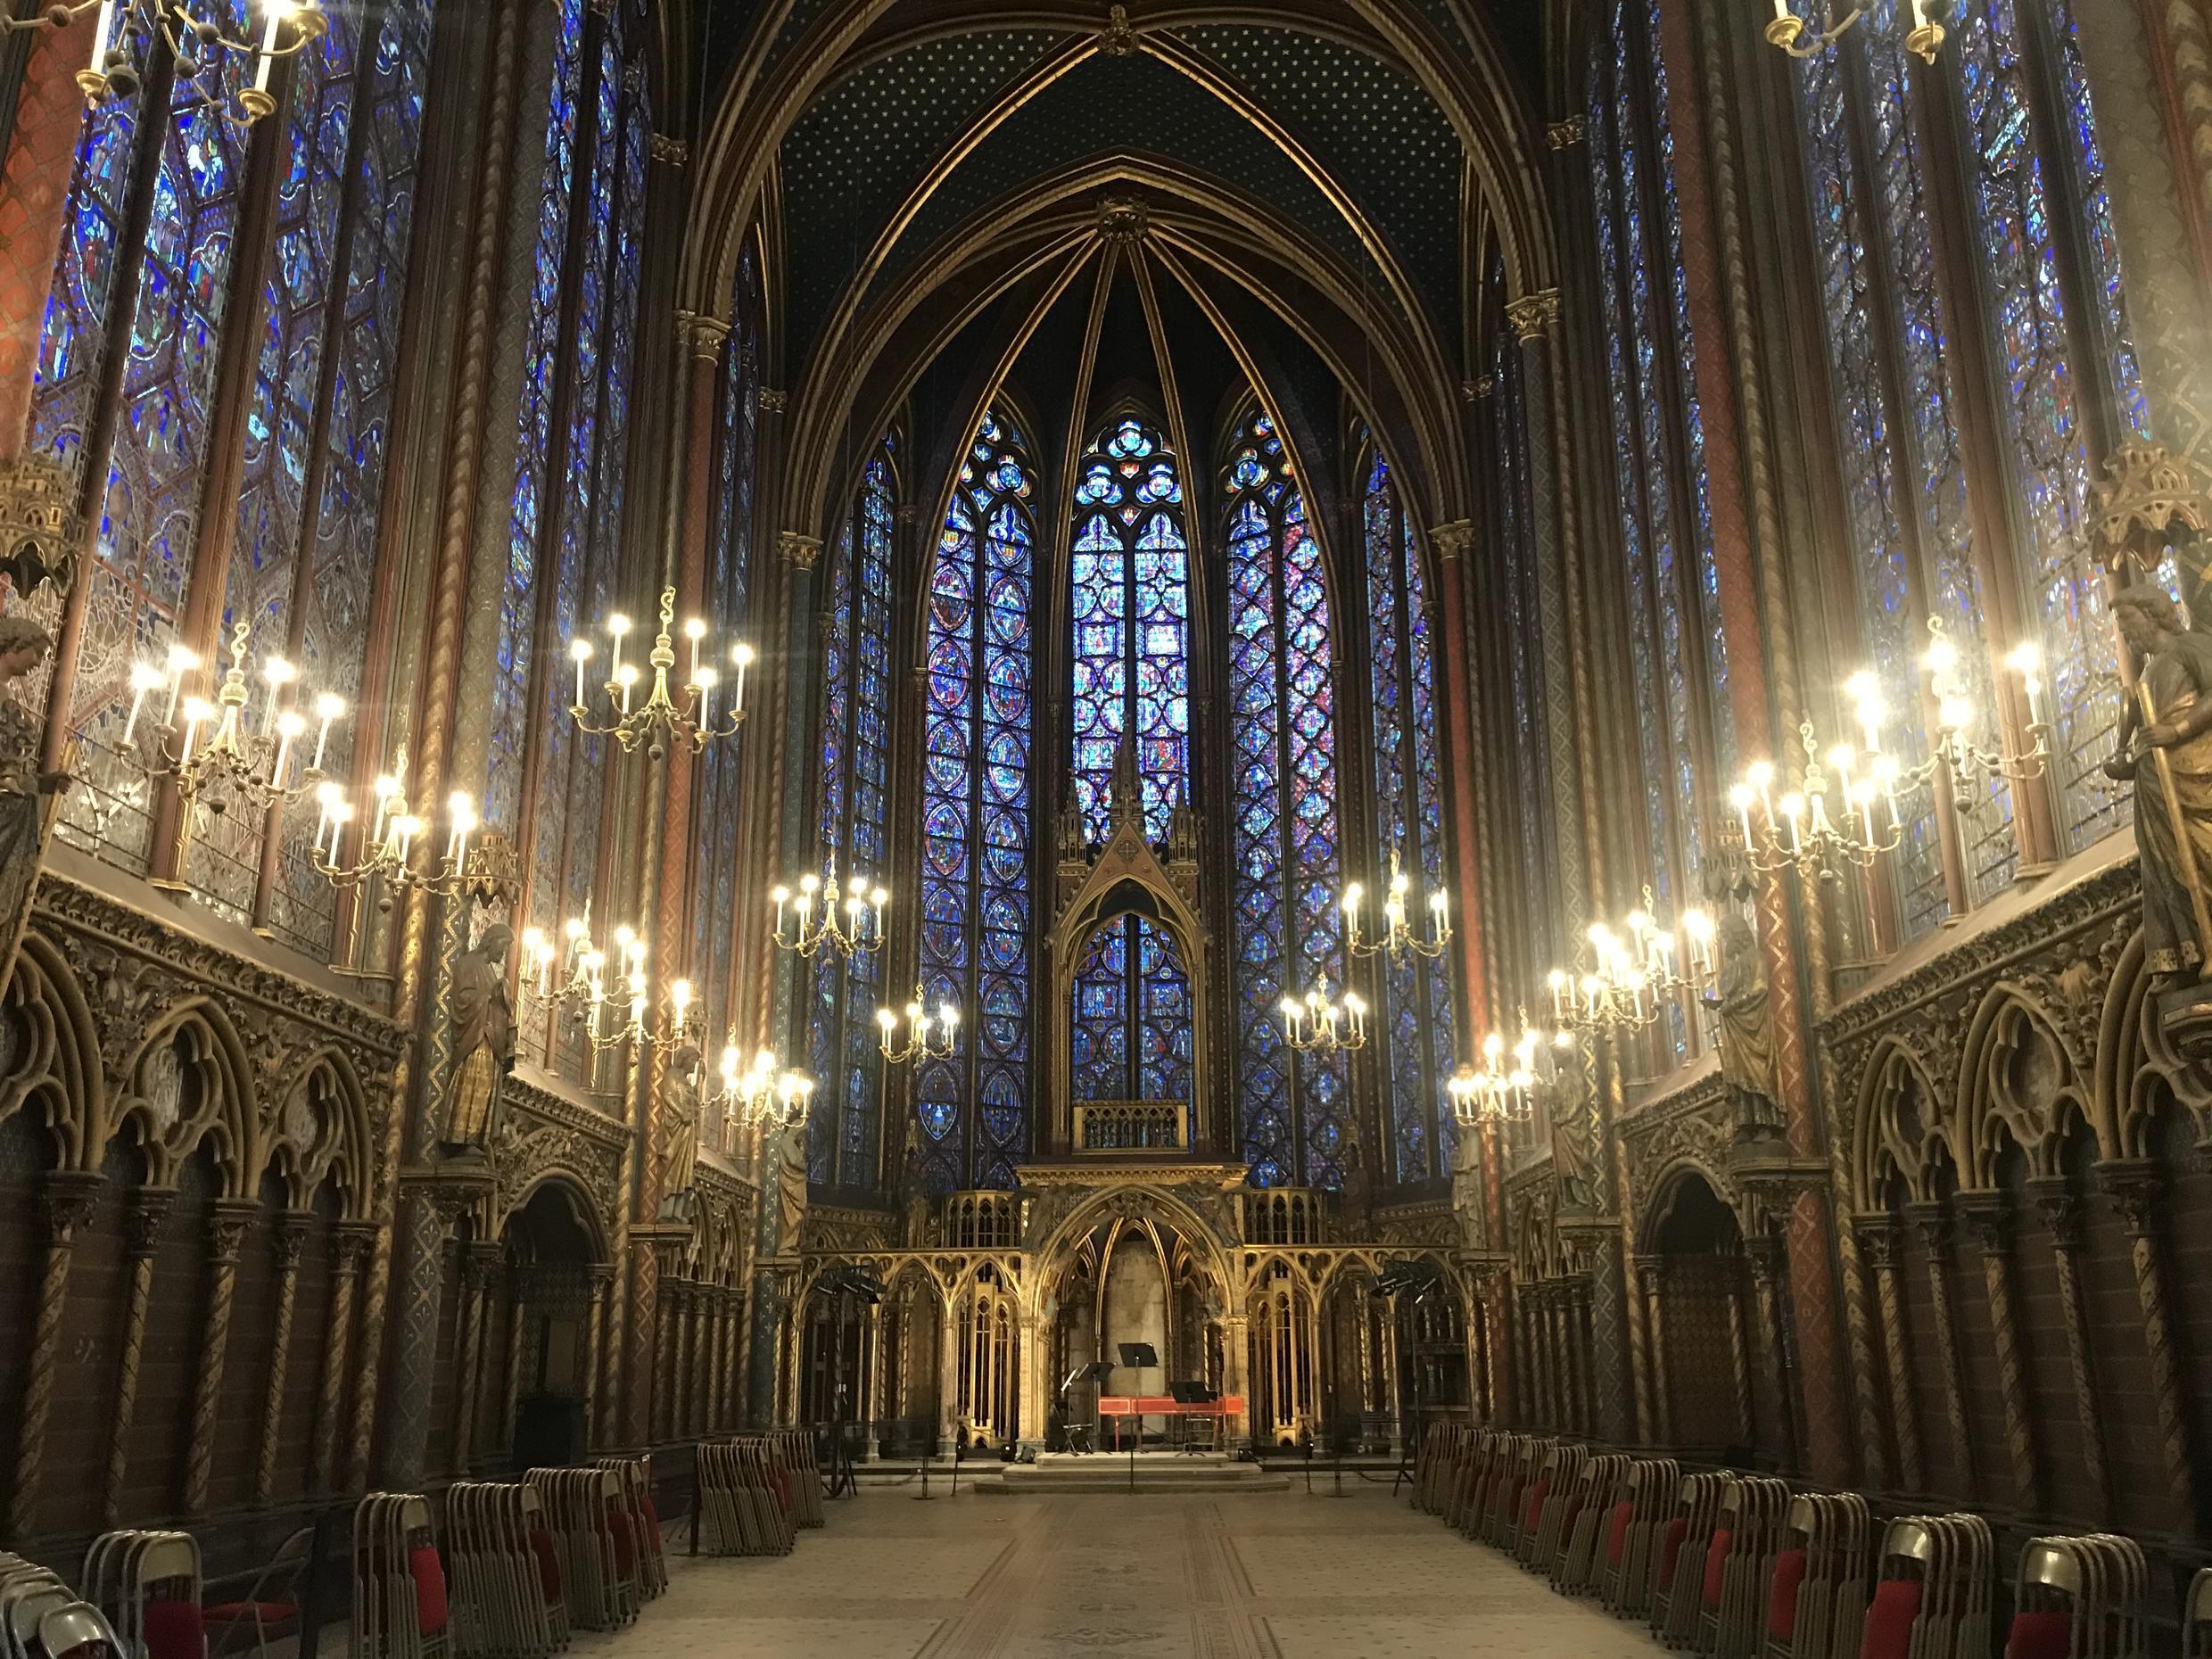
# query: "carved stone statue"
1571 1164
482 1015
2166 753
1741 1001
679 1134
1468 1193
790 1187
23 787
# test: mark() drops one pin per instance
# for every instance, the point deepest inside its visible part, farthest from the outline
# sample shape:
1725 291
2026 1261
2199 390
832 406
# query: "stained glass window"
565 522
1288 932
300 549
1416 1022
1677 655
716 810
841 1144
977 793
1131 641
1130 1039
2029 178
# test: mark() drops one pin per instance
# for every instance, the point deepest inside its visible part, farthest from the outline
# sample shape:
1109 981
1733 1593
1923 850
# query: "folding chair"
2080 1598
1548 1505
1932 1592
76 1630
1816 1600
147 1587
1739 1567
1634 1534
400 1608
636 1475
270 1607
1588 1509
26 1596
1678 1582
2197 1617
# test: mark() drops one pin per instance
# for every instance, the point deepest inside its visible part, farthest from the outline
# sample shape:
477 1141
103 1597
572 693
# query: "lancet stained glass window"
1288 931
1130 654
714 898
1131 1035
2030 174
977 741
1415 1025
841 1140
1677 654
295 556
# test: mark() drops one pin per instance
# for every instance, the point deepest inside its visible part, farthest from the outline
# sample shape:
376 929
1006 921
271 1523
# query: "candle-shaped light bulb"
1759 775
1353 896
618 629
887 1020
279 673
328 709
181 661
144 678
460 811
680 999
705 680
1793 809
695 631
626 678
290 726
741 659
197 710
1940 659
579 652
277 11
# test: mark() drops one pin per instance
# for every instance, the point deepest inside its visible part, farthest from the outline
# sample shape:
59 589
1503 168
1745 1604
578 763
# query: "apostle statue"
1571 1161
1740 1000
482 1015
2165 751
23 787
1467 1191
790 1195
679 1134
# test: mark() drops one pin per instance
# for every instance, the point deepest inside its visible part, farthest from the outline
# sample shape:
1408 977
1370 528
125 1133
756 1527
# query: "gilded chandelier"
1313 1024
1399 938
1797 827
767 1094
606 996
918 1045
1502 1093
1790 32
395 847
1637 978
817 922
664 719
191 36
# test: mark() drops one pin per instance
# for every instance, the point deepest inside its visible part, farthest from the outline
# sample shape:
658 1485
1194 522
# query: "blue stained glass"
975 818
1417 1016
1130 659
1131 1037
1288 931
842 1136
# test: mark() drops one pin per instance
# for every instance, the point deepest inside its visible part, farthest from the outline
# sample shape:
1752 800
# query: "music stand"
1137 1357
1095 1372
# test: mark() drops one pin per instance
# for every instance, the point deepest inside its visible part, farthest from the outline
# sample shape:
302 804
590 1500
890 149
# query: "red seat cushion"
1671 1550
1716 1563
429 1572
548 1564
1535 1516
2047 1633
1789 1572
245 1612
1889 1621
652 1522
174 1629
625 1546
1617 1541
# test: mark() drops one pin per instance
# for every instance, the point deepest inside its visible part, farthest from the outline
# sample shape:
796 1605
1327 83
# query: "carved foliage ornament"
1118 38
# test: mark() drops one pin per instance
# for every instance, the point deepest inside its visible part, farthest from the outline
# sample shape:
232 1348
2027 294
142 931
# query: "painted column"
356 1242
1878 1245
70 1196
142 1223
1236 1356
291 1232
2061 1210
2137 1189
229 1221
594 1359
951 1331
1989 1216
1934 1220
1651 1273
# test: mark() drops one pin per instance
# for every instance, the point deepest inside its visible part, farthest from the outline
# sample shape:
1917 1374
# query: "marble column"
1934 1221
2137 1188
68 1196
1878 1243
1989 1216
2061 1210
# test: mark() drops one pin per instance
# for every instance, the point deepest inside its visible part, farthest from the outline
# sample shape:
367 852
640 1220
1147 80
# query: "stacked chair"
1815 1603
269 1610
1550 1504
636 1475
28 1592
740 1503
1516 1468
1478 1455
589 1518
2080 1598
1931 1594
1678 1580
2197 1617
147 1587
793 1450
507 1572
1642 1515
400 1608
1585 1511
76 1630
1739 1567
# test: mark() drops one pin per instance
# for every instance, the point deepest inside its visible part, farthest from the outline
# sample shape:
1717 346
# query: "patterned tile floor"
1263 1576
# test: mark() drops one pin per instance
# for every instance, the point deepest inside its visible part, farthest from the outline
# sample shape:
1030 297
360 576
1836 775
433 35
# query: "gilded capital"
774 401
672 151
703 335
1564 134
1534 314
1455 539
800 550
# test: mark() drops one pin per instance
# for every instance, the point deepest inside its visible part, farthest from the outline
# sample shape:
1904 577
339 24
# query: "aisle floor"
1265 1576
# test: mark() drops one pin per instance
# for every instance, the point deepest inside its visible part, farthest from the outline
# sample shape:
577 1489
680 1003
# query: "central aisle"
1267 1576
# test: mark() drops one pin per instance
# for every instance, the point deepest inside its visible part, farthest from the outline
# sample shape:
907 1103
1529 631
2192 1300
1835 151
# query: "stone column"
1989 1216
291 1232
477 1262
142 1223
2061 1210
595 1355
1651 1272
873 1411
70 1196
511 1372
353 1248
1393 1381
2136 1188
228 1225
1879 1242
951 1328
1934 1220
1236 1359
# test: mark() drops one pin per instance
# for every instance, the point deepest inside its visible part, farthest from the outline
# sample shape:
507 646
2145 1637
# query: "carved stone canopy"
2150 494
40 527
